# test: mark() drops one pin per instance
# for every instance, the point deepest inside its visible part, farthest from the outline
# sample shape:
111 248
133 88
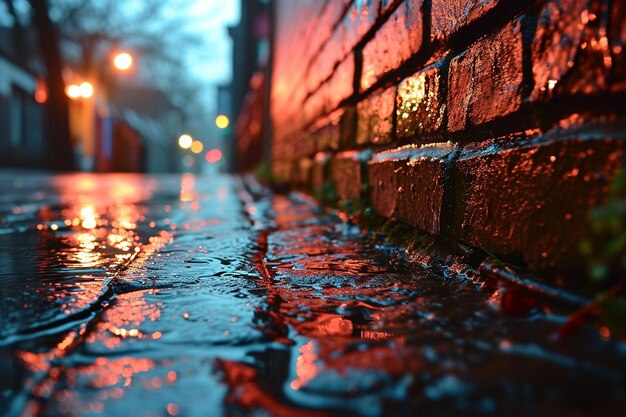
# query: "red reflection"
187 188
245 390
213 156
92 236
305 366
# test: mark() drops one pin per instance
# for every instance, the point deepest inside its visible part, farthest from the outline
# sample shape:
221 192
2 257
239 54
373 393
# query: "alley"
188 295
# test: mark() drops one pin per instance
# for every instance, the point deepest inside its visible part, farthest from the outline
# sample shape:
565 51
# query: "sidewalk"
195 296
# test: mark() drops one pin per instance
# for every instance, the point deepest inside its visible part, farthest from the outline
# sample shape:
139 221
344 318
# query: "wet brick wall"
497 124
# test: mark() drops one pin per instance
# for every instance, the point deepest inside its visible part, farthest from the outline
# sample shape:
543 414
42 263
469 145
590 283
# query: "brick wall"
497 124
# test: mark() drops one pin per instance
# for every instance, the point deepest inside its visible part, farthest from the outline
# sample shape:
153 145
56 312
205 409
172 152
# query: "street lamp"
222 121
86 89
185 141
72 91
123 61
76 91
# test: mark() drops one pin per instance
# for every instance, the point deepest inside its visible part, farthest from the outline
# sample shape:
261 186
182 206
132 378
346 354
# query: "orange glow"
107 204
187 188
173 409
88 217
222 121
196 146
41 96
123 61
185 141
306 369
41 91
86 89
213 156
72 91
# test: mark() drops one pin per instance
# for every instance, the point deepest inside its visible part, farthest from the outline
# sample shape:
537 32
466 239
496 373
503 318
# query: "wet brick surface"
195 296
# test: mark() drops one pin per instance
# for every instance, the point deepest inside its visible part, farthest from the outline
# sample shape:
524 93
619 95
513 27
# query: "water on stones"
186 295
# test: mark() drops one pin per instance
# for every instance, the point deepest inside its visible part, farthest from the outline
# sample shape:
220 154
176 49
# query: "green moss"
352 206
326 194
263 173
604 252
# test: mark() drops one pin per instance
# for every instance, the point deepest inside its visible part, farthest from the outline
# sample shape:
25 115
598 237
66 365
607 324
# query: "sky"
212 63
208 61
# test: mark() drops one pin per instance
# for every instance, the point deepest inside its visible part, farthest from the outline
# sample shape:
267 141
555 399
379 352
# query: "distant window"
18 100
263 51
5 17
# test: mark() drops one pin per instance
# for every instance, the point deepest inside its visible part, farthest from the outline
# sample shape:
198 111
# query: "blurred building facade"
21 116
124 128
251 39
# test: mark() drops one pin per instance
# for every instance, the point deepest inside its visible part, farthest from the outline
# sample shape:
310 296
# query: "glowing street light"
196 146
185 141
222 121
85 89
72 91
123 61
75 91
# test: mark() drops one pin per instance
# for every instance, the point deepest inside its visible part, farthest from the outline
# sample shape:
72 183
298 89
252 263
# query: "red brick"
285 115
304 169
314 107
448 16
384 6
347 128
533 200
324 63
395 42
347 173
327 131
304 146
421 103
375 118
320 172
485 82
329 46
359 19
617 41
293 25
570 49
340 85
324 22
283 170
407 184
330 94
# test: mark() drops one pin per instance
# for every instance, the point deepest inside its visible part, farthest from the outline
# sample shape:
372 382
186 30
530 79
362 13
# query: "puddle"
183 295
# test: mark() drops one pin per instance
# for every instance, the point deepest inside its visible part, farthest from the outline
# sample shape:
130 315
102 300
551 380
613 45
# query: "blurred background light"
213 156
196 146
123 61
185 141
72 91
85 89
222 121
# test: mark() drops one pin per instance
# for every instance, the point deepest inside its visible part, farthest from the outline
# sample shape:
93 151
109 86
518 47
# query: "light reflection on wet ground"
183 295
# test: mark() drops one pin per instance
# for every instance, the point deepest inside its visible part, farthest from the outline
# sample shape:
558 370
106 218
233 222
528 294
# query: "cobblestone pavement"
198 296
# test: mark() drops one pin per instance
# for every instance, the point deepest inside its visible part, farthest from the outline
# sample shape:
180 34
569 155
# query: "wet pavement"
196 296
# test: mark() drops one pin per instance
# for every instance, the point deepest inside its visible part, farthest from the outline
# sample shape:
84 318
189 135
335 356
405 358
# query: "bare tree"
18 33
84 32
151 28
59 145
